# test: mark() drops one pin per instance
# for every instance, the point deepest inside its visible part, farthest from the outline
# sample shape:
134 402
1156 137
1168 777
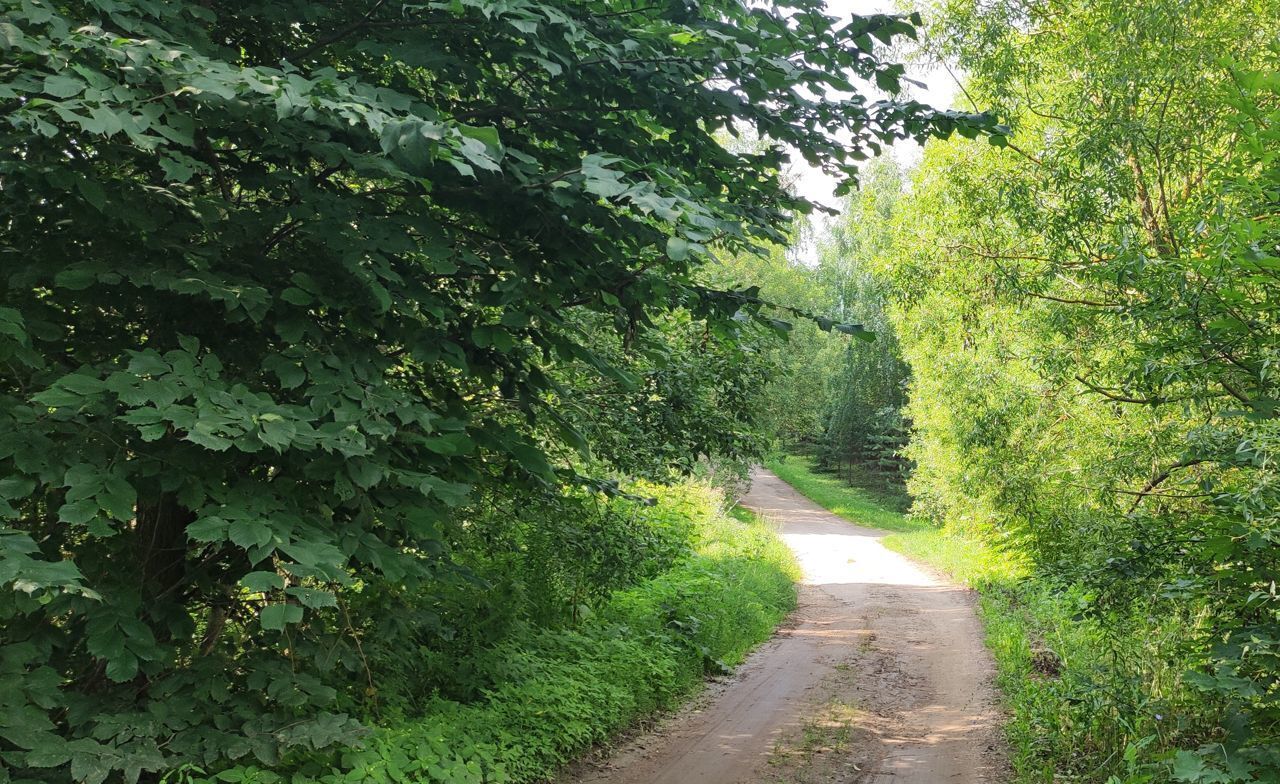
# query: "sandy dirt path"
880 676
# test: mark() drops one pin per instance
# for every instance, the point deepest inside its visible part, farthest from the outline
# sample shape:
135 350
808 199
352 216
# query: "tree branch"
1155 481
1148 401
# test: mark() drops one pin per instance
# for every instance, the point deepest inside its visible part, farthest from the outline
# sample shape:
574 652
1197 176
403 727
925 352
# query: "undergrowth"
1085 701
560 690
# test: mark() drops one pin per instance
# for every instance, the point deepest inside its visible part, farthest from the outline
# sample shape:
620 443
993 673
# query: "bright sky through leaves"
940 91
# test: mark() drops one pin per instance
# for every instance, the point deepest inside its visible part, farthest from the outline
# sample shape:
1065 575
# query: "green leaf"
572 436
70 390
202 435
15 487
148 363
533 460
1188 766
290 374
78 512
247 533
277 432
75 279
122 668
10 36
451 493
261 582
12 325
207 529
296 296
449 444
365 473
314 553
118 497
177 169
52 756
487 135
311 597
63 85
275 617
856 330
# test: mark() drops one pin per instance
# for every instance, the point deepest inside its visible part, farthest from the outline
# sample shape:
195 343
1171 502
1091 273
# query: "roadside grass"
855 504
1056 668
965 559
564 690
741 529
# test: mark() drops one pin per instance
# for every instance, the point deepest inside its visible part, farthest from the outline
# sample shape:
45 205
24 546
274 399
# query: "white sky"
940 91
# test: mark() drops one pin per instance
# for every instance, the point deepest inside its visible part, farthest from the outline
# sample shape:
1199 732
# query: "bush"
556 691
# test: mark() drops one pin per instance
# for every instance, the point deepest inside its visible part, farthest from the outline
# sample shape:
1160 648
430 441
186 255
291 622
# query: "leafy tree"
1090 321
285 284
841 400
863 421
791 397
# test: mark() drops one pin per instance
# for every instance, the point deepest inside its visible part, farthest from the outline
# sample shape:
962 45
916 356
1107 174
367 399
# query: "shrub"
556 691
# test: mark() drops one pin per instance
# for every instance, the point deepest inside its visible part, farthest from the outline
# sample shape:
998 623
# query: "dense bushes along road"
540 695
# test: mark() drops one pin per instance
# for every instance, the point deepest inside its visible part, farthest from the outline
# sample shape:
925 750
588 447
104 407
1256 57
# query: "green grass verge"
563 690
965 559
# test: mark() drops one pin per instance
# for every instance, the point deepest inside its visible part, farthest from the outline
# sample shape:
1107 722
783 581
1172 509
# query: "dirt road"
880 676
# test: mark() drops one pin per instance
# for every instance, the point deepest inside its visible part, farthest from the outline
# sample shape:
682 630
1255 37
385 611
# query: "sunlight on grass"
964 558
852 503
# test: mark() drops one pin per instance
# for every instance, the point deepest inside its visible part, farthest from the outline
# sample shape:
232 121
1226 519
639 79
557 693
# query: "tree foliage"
1090 320
841 400
290 287
863 422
